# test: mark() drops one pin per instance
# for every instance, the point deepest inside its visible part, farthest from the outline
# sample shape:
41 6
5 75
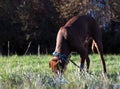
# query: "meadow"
33 72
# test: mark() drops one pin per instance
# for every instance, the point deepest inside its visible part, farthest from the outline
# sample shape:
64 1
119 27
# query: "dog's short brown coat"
72 37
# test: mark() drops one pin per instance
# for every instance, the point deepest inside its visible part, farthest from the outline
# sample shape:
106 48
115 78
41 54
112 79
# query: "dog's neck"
63 50
63 53
62 46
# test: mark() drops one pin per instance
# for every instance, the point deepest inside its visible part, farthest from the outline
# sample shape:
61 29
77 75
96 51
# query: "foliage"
24 21
33 72
114 5
111 42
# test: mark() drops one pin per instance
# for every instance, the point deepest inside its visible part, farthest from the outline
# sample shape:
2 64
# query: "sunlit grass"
33 72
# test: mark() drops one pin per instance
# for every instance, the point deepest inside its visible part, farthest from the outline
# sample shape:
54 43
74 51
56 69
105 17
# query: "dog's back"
79 23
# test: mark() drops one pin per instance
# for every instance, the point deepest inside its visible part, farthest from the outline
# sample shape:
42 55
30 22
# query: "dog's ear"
53 61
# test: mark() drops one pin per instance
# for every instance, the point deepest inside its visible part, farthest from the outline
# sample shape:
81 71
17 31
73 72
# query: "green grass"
33 72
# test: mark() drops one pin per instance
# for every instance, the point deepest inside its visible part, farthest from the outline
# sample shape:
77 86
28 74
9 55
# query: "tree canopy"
29 25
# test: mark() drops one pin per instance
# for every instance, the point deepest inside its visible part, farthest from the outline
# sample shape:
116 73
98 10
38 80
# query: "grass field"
33 72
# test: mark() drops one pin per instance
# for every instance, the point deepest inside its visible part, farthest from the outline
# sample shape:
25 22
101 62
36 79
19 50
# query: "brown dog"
72 37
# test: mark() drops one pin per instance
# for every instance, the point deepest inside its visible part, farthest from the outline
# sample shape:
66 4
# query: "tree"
24 21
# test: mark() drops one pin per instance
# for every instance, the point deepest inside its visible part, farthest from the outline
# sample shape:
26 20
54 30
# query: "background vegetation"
35 23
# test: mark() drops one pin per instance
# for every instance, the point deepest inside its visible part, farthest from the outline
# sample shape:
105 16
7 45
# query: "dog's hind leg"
87 41
97 39
99 47
93 46
87 62
83 51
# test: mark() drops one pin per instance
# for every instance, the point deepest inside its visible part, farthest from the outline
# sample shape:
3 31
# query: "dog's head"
57 65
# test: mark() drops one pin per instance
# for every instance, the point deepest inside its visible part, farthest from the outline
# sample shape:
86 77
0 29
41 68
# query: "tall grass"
33 72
